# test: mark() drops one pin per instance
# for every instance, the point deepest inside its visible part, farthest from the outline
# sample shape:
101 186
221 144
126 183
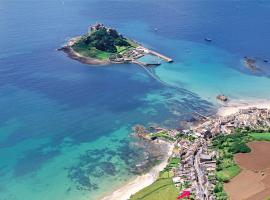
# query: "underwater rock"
222 97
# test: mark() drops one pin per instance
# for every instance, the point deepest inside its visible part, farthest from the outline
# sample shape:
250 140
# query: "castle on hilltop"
99 26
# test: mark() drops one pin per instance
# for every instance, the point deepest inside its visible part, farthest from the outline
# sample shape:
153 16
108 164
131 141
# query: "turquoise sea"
65 126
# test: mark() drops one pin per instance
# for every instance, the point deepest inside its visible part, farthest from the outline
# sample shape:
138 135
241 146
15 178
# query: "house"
205 157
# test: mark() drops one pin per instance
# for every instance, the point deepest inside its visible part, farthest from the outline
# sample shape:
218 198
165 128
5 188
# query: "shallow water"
65 126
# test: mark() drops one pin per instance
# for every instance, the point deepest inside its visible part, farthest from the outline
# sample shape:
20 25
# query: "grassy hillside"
102 43
163 188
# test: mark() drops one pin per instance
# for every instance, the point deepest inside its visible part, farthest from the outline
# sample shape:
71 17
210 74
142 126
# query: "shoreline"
142 181
234 106
125 191
137 52
86 60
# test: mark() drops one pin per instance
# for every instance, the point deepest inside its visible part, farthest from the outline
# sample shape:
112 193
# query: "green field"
132 43
161 189
122 49
228 173
260 136
95 53
91 52
163 135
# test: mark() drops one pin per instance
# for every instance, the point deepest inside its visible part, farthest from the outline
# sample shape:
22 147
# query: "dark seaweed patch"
137 157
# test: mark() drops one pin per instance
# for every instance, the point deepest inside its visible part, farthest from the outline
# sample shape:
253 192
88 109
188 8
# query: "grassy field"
132 43
161 189
91 52
123 49
95 53
228 173
163 135
260 136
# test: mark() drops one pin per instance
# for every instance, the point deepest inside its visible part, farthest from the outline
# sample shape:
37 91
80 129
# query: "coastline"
234 106
140 182
125 56
86 60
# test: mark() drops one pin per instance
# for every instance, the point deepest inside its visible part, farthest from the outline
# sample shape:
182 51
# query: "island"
103 45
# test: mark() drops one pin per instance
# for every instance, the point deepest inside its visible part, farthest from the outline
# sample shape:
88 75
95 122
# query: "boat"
208 39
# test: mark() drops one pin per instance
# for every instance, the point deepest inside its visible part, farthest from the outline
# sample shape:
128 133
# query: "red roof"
184 194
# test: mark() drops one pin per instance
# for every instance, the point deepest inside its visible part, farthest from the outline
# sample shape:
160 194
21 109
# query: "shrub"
240 148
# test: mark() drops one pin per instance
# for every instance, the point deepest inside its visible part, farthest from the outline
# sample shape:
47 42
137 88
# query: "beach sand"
140 182
234 106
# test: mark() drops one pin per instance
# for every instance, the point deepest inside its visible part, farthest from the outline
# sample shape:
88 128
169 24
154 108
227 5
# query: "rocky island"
103 45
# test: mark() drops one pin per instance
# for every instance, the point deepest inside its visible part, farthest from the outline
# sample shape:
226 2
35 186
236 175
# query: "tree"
121 42
104 39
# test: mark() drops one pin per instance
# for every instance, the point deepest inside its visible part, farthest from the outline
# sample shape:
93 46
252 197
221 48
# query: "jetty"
167 59
135 61
201 115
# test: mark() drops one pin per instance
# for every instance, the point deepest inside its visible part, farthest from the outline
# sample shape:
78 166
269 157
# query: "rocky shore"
76 56
141 181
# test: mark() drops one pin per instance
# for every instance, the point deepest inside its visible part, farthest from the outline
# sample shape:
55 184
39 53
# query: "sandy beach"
139 182
234 106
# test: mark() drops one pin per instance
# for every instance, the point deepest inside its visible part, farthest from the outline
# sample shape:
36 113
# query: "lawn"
92 52
260 136
132 43
167 172
163 135
228 173
122 49
174 162
161 189
95 53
